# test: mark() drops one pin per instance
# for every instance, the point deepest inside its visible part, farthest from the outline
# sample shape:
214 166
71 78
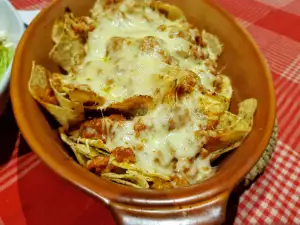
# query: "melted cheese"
120 70
135 67
161 145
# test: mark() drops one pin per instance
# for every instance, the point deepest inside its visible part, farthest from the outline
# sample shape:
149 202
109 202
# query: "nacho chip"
96 143
40 88
76 97
124 182
228 140
135 104
213 104
55 82
68 52
131 177
246 110
65 117
84 149
170 11
223 87
213 45
226 121
39 85
133 167
224 140
72 26
83 161
58 30
86 96
160 184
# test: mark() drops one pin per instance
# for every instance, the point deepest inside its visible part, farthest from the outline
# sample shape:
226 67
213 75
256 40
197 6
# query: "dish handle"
209 212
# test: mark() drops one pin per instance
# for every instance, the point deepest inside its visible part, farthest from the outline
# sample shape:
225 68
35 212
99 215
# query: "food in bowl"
141 100
6 53
11 30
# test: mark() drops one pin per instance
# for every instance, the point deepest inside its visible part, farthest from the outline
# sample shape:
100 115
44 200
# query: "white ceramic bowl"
13 26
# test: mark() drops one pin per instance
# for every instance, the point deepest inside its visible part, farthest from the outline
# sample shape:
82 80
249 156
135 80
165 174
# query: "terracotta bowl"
204 203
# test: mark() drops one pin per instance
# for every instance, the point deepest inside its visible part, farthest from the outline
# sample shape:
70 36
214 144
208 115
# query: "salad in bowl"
11 30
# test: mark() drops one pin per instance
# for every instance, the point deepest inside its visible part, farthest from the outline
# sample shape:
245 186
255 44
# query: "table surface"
30 193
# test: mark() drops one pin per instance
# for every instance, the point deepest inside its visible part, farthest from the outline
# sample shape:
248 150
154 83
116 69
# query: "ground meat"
171 124
164 184
47 95
196 52
109 3
186 84
200 41
125 155
98 164
148 44
138 127
99 128
96 128
203 153
218 83
162 27
211 124
82 27
139 147
115 44
179 181
161 184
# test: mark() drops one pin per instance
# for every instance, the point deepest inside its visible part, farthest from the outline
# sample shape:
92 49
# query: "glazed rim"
107 191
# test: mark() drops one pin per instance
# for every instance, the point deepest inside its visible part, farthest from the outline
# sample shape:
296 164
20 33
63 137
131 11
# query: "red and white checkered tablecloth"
32 194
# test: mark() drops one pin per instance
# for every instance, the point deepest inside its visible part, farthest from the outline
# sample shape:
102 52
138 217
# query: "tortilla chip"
71 112
135 104
82 160
39 85
160 184
72 26
227 121
213 104
63 25
58 30
96 143
55 82
246 110
223 87
131 177
86 97
68 52
65 117
124 182
213 45
79 97
84 149
224 140
40 88
133 167
233 136
170 11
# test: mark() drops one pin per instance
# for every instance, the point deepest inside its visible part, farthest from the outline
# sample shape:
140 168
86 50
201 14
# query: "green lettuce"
6 54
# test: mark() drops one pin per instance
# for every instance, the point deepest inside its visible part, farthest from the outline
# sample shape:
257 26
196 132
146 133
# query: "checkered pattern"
275 197
272 199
